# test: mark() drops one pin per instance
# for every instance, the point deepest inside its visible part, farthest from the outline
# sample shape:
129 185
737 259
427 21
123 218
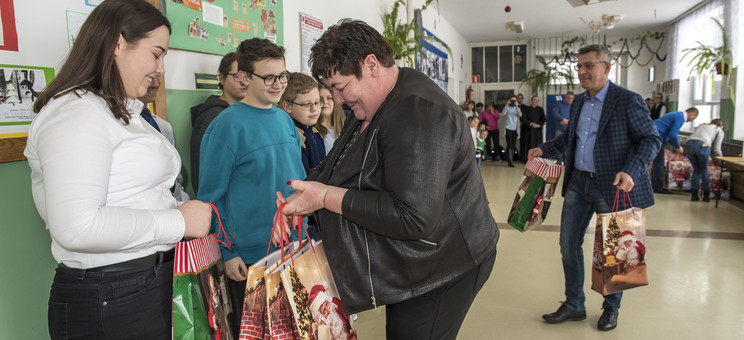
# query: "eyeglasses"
234 76
589 66
271 79
309 106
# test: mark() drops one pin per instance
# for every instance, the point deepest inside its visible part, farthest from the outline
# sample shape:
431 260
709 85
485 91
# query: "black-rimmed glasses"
271 79
309 106
588 66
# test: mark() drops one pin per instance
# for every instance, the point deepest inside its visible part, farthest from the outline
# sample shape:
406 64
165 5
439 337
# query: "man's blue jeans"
581 201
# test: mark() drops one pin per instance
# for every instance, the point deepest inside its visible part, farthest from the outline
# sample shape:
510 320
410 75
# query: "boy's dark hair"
298 83
344 46
91 66
472 118
717 122
226 65
252 50
479 105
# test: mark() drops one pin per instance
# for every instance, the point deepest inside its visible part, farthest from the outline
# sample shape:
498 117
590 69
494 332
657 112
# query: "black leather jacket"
416 214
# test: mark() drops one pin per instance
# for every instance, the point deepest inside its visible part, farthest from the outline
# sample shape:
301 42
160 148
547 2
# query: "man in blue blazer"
668 126
608 145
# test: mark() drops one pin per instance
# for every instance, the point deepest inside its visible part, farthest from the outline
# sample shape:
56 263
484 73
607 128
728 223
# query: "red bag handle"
615 204
221 228
285 238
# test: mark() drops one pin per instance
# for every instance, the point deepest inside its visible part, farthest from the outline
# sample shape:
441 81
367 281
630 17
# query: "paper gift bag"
535 193
317 309
619 260
201 300
254 321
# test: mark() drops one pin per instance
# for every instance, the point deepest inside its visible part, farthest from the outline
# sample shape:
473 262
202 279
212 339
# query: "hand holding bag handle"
279 216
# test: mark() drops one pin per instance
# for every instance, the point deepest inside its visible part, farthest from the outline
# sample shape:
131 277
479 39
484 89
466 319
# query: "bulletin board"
218 26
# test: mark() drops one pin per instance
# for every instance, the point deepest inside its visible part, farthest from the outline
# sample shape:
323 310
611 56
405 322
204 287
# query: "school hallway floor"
695 259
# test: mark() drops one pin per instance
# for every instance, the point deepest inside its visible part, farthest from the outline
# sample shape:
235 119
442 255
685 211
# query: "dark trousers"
112 305
493 149
657 170
511 144
237 295
437 314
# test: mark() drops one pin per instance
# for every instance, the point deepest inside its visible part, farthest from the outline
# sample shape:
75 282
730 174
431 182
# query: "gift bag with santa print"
313 295
619 260
535 193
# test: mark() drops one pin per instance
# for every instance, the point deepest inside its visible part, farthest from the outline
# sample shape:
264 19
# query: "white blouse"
102 187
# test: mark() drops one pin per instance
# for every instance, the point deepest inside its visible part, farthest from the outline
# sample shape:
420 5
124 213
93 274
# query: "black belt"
148 261
587 174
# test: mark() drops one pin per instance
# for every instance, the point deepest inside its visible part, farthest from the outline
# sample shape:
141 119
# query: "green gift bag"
535 193
201 300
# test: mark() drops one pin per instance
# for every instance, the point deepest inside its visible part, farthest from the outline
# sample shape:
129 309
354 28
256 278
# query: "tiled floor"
695 257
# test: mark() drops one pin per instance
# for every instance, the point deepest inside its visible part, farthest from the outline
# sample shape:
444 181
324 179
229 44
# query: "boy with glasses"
203 114
301 100
247 154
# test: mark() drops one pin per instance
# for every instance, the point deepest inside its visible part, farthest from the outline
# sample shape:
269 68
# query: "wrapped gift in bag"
535 193
619 260
201 301
301 298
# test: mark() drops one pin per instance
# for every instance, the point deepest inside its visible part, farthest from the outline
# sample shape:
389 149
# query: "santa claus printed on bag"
331 323
629 250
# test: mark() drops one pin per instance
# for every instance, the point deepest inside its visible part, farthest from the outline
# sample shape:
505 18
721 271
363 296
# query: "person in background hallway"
533 120
469 108
332 118
203 114
660 108
609 142
491 117
668 127
562 113
101 179
513 114
166 130
650 104
697 149
523 129
478 108
247 153
401 203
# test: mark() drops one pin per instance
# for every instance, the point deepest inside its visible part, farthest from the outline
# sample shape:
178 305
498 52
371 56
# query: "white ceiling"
481 21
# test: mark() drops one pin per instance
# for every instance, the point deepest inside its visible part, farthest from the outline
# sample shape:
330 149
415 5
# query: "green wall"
27 263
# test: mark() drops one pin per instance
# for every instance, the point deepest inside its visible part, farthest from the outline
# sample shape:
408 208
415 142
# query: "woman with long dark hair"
101 179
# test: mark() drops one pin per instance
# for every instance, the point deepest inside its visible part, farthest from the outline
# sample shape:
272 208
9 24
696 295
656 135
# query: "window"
499 63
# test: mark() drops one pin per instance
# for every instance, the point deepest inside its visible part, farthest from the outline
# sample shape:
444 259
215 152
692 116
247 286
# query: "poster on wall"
218 26
434 63
311 30
19 88
75 21
8 35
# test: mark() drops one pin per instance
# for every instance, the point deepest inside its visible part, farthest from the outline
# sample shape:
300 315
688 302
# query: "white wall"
181 65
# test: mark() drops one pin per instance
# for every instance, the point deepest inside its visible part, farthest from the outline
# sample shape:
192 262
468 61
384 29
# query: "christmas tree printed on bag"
305 319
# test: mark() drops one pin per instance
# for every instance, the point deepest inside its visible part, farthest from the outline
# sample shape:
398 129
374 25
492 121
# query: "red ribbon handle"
221 229
616 205
285 237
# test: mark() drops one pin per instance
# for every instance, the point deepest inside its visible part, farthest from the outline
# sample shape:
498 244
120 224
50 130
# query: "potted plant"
706 59
405 37
549 75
